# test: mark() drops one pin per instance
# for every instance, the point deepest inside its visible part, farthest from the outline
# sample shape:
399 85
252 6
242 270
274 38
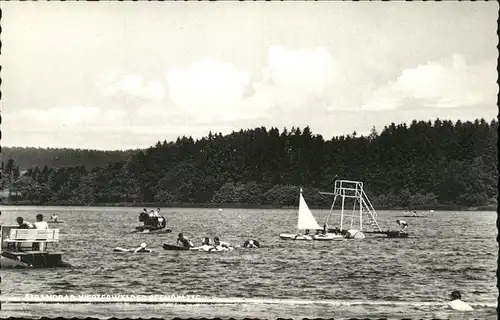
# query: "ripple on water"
423 268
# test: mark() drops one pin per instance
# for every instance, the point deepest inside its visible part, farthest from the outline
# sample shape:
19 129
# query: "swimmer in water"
142 248
220 245
457 303
251 244
206 241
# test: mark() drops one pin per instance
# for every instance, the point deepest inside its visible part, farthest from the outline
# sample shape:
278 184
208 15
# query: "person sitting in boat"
23 224
161 222
54 217
251 244
457 303
144 216
325 228
142 248
307 231
403 226
206 242
186 243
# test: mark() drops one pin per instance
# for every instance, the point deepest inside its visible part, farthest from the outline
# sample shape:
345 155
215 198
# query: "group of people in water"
152 218
216 245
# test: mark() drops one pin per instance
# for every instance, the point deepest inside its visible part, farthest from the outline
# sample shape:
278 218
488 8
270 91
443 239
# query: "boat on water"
55 221
396 234
174 247
27 248
151 229
410 216
205 248
152 224
307 222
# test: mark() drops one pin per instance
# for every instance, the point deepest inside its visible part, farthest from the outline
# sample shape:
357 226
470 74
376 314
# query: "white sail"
306 219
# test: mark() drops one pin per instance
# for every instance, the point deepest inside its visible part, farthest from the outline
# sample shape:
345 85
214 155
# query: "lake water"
374 277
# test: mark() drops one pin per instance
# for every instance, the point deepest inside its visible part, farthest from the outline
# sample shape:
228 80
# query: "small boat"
174 247
151 229
27 248
55 221
396 234
305 221
120 249
328 237
155 224
410 216
205 248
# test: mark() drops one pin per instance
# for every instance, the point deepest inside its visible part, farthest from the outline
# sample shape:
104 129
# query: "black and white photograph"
249 159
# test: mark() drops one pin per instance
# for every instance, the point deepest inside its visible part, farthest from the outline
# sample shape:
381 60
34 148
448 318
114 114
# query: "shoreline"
249 206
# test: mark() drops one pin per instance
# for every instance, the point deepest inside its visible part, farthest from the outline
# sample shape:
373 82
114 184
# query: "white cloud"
131 85
207 85
450 82
301 72
216 91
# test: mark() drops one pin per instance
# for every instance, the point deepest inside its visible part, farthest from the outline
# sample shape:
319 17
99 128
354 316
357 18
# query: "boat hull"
293 236
58 221
174 247
410 216
32 260
120 249
148 229
396 234
328 237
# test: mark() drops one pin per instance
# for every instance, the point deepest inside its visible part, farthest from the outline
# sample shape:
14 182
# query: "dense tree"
416 165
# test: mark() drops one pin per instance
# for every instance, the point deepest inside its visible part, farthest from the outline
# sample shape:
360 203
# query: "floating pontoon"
362 211
27 248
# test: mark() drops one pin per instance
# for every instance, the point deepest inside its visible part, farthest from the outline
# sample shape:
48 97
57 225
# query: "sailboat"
306 221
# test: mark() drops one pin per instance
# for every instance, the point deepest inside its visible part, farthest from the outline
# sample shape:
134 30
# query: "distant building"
7 193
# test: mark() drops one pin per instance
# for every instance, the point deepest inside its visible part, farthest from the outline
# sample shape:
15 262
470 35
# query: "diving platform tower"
362 208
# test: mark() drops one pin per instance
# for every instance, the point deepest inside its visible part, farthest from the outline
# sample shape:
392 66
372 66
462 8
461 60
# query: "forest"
423 164
63 157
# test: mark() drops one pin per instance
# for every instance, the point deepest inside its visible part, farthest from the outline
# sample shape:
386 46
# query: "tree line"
27 158
423 164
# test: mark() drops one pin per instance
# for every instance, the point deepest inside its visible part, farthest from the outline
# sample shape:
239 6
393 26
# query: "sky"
118 75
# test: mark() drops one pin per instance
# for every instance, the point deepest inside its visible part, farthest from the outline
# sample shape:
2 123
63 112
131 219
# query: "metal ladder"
368 210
